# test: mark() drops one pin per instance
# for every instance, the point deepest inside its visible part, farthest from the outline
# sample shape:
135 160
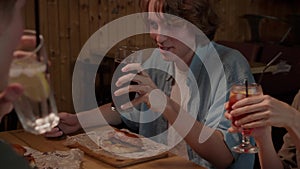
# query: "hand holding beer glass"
238 92
36 108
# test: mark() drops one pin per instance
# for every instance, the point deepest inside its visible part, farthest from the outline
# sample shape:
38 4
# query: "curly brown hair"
198 12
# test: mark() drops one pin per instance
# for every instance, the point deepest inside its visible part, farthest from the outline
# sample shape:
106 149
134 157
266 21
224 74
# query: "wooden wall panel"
67 24
74 30
234 28
94 16
54 55
84 27
65 59
44 27
29 15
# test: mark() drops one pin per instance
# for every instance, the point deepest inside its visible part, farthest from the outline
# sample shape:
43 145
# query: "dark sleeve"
9 159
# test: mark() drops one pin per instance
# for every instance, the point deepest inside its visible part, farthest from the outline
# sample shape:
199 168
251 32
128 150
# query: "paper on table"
57 159
149 148
94 142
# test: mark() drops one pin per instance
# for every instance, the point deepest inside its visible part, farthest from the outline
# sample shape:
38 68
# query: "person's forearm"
268 157
210 148
111 117
99 117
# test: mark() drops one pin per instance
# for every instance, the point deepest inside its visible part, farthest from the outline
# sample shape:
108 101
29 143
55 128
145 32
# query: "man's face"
172 35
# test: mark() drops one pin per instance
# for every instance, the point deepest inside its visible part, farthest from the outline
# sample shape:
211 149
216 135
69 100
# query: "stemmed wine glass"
238 92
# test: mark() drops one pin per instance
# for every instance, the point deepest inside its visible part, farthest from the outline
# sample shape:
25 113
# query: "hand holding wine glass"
238 92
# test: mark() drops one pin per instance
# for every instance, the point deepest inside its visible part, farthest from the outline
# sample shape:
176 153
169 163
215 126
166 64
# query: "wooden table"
42 144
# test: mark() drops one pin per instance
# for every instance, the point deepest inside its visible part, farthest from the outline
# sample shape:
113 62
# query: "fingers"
226 105
27 42
251 105
67 117
256 113
21 54
132 67
140 89
135 102
258 116
248 110
248 101
125 79
156 100
228 115
234 129
260 119
255 124
25 47
144 87
55 132
141 77
254 109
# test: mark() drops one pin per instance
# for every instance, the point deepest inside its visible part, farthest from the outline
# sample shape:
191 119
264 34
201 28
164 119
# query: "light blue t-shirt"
213 70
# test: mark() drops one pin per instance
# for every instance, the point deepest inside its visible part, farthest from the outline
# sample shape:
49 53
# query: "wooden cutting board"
84 143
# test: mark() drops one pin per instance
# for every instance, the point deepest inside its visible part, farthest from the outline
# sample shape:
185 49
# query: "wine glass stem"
245 140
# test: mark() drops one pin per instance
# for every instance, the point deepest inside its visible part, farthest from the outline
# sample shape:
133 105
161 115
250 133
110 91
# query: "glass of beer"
238 92
36 108
124 56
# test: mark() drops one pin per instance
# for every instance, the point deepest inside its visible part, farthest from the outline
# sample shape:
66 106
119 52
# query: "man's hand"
68 124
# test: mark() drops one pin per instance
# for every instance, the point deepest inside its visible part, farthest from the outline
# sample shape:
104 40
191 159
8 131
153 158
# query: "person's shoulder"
229 54
235 64
231 58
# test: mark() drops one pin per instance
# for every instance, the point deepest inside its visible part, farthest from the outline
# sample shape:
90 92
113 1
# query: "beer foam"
29 70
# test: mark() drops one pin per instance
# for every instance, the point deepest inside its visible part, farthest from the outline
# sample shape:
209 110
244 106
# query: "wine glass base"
242 148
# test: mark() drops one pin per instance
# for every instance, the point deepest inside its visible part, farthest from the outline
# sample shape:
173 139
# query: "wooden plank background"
67 24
